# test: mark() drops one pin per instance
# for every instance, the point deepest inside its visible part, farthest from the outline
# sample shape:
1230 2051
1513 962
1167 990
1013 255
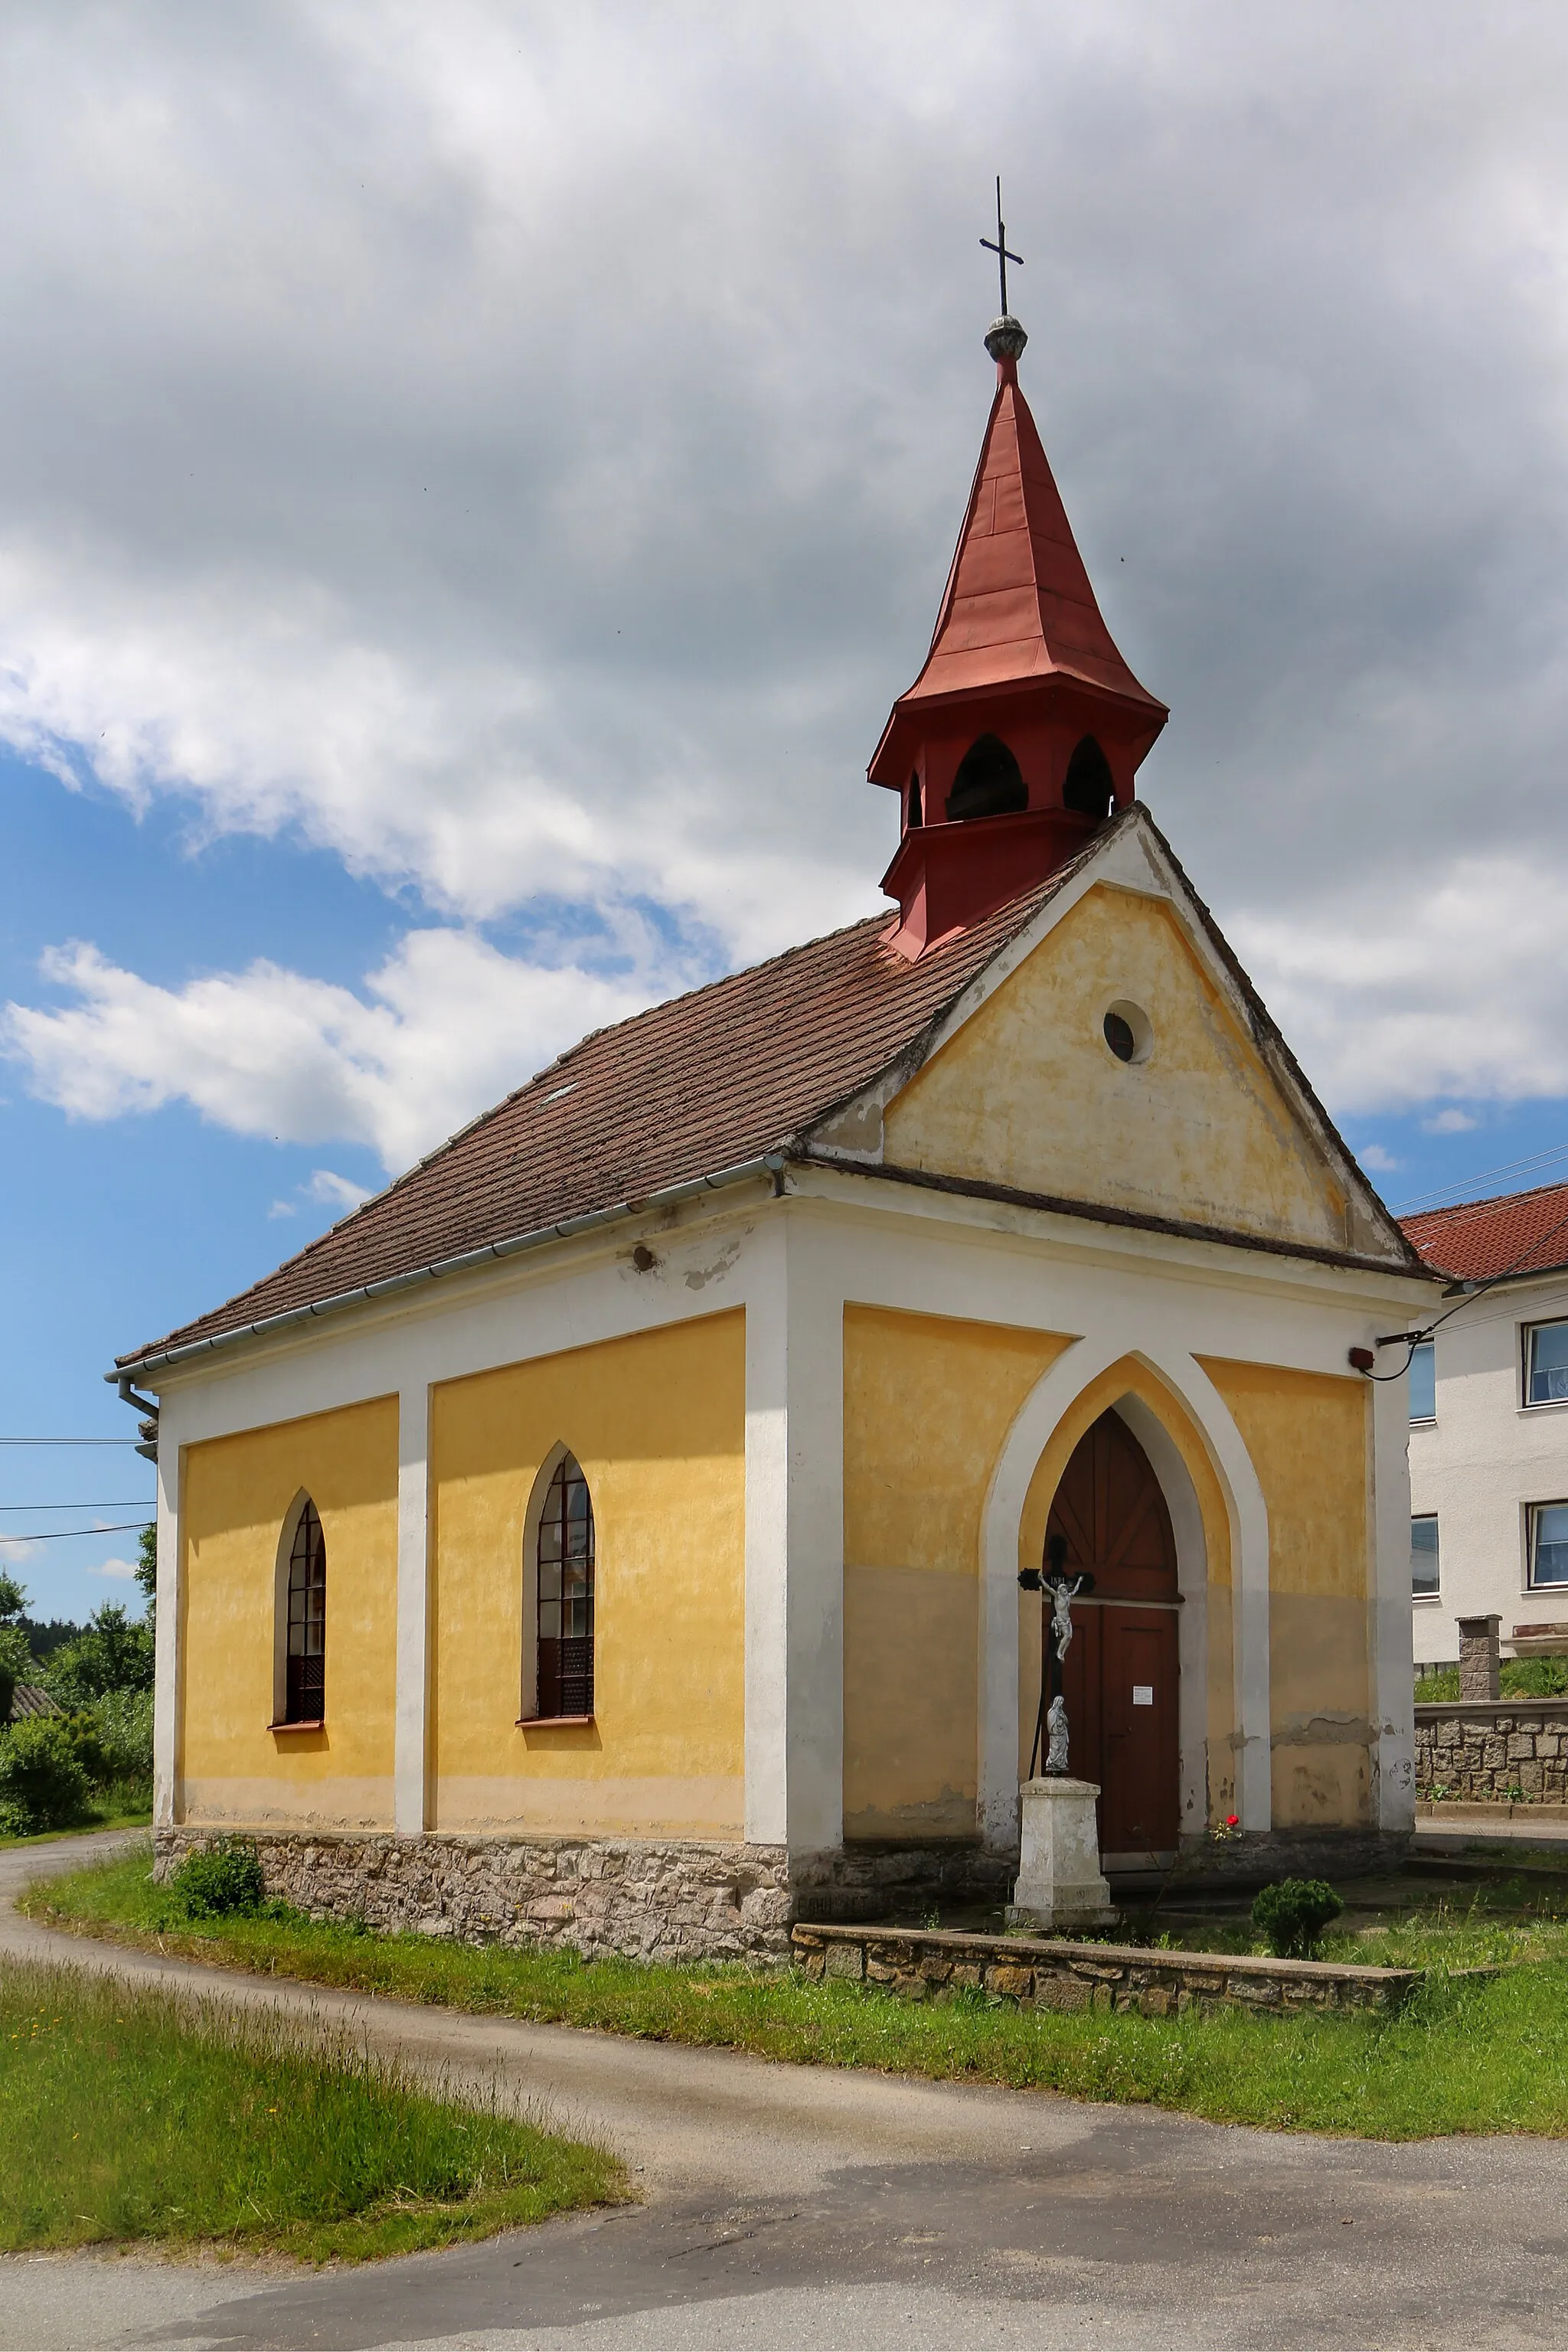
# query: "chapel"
612 1534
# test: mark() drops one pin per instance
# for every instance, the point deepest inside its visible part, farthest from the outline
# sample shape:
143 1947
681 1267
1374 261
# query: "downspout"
148 1448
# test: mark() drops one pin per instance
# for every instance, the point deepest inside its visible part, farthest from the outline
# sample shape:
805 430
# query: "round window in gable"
1127 1031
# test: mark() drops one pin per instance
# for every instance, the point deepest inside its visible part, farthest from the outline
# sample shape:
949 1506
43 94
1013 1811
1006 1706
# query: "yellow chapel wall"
1129 1378
657 1422
1308 1435
1026 1093
928 1403
236 1494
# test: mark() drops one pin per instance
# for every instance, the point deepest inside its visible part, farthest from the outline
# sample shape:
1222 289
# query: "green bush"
17 1665
1292 1914
124 1728
42 1783
114 1653
223 1879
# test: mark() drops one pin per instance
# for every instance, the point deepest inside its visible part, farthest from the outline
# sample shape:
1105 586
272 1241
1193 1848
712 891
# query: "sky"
472 481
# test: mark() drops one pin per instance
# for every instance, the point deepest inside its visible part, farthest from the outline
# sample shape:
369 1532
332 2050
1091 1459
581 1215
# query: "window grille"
305 1697
1423 1554
1546 1364
565 1595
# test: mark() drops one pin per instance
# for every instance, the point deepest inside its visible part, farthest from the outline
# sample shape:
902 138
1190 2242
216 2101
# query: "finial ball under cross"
1006 337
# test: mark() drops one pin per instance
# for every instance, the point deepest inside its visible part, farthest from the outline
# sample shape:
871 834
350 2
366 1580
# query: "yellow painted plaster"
1026 1092
1308 1435
657 1422
237 1494
1130 1377
928 1402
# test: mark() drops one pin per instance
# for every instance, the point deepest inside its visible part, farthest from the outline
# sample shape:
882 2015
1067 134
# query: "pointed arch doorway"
1121 1671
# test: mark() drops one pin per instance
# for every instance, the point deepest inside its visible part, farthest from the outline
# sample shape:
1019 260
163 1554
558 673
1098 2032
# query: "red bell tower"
1026 727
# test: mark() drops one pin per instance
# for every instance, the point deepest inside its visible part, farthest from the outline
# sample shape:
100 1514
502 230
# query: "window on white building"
1424 1382
1423 1554
1549 1543
1546 1364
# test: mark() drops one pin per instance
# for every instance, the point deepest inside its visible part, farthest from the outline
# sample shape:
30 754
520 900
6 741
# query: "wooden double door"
1121 1673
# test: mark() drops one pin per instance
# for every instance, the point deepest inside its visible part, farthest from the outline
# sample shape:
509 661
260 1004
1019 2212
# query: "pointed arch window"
564 1587
989 782
1089 786
305 1640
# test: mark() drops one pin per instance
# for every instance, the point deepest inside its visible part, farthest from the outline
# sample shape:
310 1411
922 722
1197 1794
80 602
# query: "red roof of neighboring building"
1512 1232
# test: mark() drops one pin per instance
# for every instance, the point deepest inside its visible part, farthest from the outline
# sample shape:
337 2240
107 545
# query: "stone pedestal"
1480 1656
1061 1885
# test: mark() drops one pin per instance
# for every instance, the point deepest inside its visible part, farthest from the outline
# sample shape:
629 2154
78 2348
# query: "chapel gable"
1112 1064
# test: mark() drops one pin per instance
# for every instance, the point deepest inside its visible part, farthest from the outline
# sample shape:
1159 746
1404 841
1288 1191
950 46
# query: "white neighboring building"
1489 1429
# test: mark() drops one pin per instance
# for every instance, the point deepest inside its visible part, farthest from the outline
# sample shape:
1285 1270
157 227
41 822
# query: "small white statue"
1056 1736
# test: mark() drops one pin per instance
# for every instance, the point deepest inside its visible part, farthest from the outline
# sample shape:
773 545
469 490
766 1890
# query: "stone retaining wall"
1041 1972
1483 1751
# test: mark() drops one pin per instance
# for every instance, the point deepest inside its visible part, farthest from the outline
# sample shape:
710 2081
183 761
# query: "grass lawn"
1463 2056
109 1816
127 2116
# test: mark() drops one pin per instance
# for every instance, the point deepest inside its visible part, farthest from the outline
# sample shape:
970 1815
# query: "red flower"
1233 1820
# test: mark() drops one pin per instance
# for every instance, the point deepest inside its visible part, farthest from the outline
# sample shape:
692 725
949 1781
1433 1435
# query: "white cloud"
340 1192
121 1570
1452 1121
445 1026
1381 1162
519 453
1449 988
14 1550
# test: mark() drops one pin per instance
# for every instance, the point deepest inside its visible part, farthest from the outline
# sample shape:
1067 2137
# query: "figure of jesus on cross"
1056 1636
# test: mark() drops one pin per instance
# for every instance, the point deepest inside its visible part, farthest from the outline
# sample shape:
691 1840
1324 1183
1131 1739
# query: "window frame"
530 1716
1427 1348
1531 1520
1433 1592
282 1585
1527 1336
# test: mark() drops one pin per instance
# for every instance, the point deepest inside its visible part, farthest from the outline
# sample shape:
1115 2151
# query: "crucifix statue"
1000 247
1055 1638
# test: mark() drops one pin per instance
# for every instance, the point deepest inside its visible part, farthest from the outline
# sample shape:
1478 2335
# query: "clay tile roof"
1513 1232
706 1082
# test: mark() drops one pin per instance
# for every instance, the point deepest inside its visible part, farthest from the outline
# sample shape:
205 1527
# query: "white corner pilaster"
171 1634
410 1769
1389 1632
794 1543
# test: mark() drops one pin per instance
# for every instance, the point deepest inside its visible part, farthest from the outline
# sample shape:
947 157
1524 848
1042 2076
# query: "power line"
1483 1176
73 1535
132 1503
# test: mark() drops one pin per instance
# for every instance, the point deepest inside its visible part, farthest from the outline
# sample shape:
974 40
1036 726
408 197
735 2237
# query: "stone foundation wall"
652 1900
1493 1752
649 1899
1259 1856
1041 1972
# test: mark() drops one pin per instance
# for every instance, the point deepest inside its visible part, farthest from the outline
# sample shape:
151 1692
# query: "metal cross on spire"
1000 247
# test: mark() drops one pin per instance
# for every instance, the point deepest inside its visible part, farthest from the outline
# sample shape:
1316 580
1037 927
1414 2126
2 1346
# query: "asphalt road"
788 2206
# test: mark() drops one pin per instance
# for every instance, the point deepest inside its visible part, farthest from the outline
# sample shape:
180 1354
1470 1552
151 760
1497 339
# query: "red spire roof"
1026 727
1018 604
